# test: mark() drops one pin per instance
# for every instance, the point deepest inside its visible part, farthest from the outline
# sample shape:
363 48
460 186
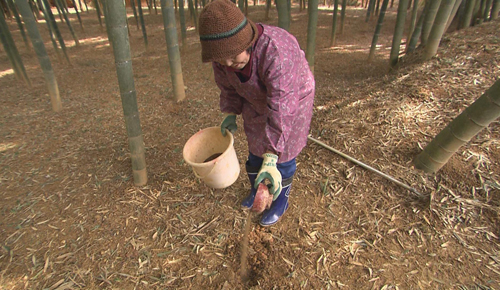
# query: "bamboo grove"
428 21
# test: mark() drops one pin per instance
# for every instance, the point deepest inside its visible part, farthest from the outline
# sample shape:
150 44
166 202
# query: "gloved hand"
269 171
228 123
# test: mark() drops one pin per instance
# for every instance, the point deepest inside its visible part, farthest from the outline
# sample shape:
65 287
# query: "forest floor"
71 217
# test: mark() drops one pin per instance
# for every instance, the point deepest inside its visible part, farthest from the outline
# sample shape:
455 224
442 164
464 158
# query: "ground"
72 218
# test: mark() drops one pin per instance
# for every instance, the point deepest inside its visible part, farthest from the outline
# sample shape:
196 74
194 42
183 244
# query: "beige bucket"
220 172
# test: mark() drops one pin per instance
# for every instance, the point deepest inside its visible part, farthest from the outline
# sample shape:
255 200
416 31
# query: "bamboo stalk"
143 26
438 29
41 52
12 52
174 58
132 3
398 32
50 29
417 32
312 25
429 20
116 25
342 16
334 24
12 7
60 4
53 23
377 30
461 130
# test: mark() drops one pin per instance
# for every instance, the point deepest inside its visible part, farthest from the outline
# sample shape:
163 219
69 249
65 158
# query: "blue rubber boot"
252 174
278 207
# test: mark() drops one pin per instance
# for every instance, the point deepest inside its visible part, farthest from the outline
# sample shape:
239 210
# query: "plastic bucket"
220 172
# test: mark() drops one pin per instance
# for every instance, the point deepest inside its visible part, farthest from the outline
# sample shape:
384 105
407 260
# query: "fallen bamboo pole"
367 166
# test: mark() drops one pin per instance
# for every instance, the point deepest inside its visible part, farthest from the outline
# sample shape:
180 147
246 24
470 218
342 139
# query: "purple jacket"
276 102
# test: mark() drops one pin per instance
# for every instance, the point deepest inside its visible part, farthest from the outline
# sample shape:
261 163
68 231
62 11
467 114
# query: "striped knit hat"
224 31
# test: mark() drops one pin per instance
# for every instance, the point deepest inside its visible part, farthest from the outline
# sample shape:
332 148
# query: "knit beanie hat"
224 31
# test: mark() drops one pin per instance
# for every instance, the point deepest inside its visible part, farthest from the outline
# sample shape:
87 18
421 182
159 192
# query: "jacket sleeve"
281 81
230 100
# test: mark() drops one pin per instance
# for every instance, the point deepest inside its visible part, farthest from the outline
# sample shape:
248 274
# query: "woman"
264 77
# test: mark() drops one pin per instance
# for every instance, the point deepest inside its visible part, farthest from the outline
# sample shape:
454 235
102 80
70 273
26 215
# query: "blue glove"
229 123
269 171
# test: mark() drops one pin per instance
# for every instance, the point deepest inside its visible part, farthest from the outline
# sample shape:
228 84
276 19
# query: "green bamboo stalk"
132 3
334 24
342 16
283 19
118 35
13 8
64 6
437 30
454 11
182 20
128 27
193 13
418 29
106 18
460 15
289 11
475 12
312 25
98 11
7 42
487 9
482 7
495 9
60 4
371 6
241 5
78 15
50 29
398 32
4 5
469 10
268 7
36 11
143 26
471 121
378 29
59 12
53 23
12 52
41 52
174 56
413 20
429 21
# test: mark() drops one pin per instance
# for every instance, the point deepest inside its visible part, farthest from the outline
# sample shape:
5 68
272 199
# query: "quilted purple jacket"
276 102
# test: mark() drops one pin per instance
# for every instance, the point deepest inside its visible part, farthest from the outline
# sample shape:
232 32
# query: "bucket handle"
209 172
